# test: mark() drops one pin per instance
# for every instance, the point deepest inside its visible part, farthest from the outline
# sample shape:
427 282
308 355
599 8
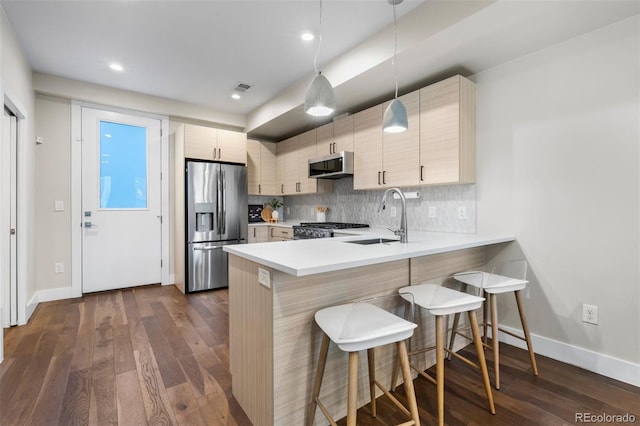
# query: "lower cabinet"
280 233
258 234
263 234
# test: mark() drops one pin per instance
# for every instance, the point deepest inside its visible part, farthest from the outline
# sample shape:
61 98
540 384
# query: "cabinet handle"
330 148
334 147
220 153
254 232
282 188
421 173
271 232
379 178
259 189
215 153
384 177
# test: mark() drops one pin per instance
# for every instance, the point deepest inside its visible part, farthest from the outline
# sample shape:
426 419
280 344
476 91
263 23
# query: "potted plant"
275 204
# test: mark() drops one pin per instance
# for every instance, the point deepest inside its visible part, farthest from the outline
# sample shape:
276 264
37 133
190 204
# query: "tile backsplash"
347 205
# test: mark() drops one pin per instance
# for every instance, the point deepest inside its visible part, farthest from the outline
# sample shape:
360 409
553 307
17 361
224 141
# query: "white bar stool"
509 276
441 302
355 327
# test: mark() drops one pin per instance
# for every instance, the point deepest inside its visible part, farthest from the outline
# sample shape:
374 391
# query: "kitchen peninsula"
275 290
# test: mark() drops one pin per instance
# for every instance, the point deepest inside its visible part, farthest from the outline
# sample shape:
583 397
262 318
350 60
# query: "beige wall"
16 85
53 182
558 162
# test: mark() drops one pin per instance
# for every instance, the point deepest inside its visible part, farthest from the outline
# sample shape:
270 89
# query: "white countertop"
315 256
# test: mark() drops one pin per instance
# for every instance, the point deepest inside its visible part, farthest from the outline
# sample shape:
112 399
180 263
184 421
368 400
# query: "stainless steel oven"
307 230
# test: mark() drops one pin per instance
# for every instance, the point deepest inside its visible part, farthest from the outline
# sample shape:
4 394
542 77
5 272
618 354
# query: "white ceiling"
196 51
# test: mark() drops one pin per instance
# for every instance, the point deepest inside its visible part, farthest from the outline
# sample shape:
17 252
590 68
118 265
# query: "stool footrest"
424 374
393 399
325 412
464 359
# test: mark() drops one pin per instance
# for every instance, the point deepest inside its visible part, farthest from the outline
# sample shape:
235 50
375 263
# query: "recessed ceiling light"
307 36
235 95
116 67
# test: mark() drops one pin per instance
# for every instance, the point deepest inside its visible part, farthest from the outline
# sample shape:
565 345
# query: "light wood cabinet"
335 136
280 233
447 132
258 234
208 143
292 156
382 159
261 168
343 134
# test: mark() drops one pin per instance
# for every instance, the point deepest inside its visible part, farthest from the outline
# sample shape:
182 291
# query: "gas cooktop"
308 230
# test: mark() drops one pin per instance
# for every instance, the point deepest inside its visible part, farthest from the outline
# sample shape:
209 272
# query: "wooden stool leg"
485 318
494 338
408 382
322 361
452 340
481 359
440 367
352 399
525 329
371 359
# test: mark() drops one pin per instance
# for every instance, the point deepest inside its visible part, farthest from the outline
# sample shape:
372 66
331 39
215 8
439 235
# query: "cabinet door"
232 146
258 234
287 166
268 168
447 131
343 134
324 140
200 142
367 148
306 151
254 149
401 151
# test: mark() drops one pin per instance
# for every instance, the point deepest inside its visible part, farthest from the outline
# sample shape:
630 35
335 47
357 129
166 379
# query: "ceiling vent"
242 87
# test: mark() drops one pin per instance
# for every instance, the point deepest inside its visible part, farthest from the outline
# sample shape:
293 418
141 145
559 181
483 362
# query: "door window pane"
123 166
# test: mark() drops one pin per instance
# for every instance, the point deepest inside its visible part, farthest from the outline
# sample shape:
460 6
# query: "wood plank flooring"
151 356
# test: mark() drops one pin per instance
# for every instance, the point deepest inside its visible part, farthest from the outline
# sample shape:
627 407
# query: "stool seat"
491 283
440 300
359 326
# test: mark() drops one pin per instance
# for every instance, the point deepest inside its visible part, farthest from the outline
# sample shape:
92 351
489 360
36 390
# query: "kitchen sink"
372 241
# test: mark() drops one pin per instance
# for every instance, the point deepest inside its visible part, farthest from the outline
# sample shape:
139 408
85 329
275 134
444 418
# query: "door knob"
89 225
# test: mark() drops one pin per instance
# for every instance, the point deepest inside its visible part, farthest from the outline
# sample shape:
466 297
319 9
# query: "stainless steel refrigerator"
216 209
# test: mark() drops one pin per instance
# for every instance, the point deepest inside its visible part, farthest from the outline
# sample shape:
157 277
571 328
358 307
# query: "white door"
121 213
8 216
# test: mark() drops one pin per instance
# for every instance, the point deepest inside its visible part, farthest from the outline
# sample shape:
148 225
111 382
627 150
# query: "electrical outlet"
462 212
590 314
288 211
392 211
59 267
432 212
264 277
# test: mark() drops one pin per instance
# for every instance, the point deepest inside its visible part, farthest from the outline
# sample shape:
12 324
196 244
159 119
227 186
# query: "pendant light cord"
395 49
315 58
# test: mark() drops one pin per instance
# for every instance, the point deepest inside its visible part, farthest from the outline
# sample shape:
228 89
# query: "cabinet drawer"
277 233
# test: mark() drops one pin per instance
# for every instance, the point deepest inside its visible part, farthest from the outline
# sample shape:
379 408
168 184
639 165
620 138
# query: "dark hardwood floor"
150 355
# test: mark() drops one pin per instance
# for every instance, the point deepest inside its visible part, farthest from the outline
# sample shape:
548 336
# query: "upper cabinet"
208 143
261 168
448 132
292 161
386 159
335 136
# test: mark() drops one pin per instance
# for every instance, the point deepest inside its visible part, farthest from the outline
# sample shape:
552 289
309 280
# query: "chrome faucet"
402 232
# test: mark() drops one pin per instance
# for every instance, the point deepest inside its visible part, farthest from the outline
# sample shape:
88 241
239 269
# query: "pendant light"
395 118
319 100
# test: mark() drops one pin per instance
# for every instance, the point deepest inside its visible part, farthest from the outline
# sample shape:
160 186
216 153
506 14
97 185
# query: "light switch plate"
432 212
264 277
58 206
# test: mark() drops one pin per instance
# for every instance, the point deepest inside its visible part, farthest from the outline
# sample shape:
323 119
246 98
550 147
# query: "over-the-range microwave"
333 166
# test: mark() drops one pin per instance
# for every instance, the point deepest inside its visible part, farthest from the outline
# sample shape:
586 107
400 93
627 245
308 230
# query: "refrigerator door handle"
218 204
223 228
207 248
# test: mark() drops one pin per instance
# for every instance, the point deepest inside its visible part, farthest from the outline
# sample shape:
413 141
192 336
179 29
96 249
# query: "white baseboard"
615 368
47 296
